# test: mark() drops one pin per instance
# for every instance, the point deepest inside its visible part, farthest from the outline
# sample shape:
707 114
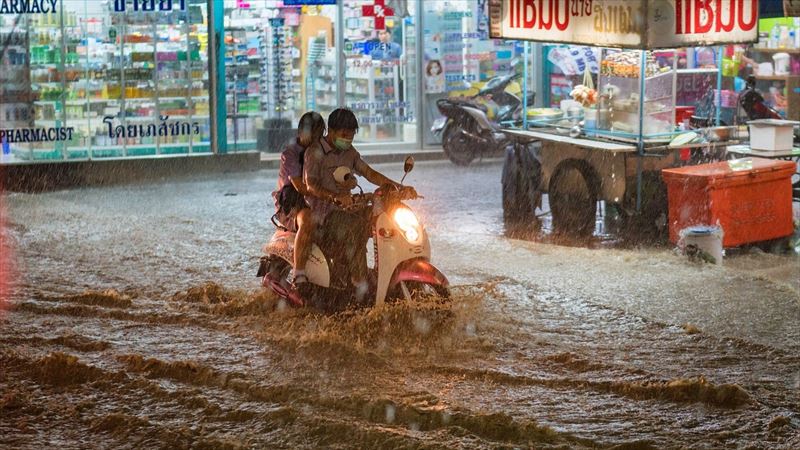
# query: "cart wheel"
521 192
459 148
573 199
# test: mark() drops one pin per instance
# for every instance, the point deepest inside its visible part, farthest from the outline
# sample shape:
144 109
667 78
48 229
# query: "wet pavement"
137 322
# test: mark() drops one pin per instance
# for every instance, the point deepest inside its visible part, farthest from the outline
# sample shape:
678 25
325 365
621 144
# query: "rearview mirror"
409 164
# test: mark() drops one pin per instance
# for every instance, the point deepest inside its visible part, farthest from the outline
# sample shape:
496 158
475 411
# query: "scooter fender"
480 117
440 124
282 245
419 270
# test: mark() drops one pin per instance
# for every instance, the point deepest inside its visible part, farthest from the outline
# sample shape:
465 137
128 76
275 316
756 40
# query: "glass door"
380 73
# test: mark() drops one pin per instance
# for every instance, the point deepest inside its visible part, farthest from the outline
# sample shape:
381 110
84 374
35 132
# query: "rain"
136 320
544 284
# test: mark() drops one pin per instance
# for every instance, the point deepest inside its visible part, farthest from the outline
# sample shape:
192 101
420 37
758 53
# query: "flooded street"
137 322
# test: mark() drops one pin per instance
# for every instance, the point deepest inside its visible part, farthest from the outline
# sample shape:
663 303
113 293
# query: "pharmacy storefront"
93 79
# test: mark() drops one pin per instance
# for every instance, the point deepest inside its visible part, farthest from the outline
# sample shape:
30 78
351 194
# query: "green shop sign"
28 6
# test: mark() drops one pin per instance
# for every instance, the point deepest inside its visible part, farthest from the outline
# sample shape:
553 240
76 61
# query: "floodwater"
137 322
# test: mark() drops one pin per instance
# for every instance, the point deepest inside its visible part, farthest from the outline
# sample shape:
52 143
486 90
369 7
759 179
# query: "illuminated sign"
28 6
149 5
626 23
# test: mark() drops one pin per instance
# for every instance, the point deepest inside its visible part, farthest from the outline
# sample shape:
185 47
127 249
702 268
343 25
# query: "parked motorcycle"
402 268
470 127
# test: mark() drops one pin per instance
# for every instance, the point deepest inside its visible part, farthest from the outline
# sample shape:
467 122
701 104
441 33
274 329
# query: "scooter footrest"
263 266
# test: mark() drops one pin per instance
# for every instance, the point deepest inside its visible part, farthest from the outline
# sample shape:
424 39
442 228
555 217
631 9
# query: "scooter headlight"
408 224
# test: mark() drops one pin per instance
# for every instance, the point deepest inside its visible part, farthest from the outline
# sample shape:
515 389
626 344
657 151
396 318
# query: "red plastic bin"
683 113
750 198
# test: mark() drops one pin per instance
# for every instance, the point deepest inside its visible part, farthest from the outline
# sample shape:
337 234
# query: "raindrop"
422 325
470 329
414 426
445 417
390 413
281 305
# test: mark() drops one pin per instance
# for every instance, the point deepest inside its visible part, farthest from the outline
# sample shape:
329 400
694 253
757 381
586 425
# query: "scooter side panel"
282 245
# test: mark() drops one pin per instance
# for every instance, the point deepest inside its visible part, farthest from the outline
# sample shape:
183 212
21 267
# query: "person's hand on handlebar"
343 200
408 192
350 183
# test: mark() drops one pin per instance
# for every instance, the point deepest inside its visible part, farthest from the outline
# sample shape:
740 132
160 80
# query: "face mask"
342 144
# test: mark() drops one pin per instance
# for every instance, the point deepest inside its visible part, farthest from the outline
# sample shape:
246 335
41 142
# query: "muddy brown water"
136 323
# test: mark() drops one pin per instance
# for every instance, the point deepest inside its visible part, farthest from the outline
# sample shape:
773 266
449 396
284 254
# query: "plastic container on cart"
771 134
750 198
706 238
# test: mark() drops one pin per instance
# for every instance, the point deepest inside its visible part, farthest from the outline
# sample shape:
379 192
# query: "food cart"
612 148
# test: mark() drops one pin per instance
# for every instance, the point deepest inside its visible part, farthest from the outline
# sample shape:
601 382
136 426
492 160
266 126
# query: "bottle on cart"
796 32
784 38
774 36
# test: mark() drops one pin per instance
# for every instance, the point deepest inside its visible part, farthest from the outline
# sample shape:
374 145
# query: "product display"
618 106
271 72
628 65
16 111
103 83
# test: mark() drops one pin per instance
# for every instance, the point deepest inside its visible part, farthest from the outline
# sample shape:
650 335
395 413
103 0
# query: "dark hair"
342 119
311 126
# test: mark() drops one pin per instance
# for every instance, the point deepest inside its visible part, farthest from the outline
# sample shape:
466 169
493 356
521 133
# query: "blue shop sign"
149 5
308 2
28 6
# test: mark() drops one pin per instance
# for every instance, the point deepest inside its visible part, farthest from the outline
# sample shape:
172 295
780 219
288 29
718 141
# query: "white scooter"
402 268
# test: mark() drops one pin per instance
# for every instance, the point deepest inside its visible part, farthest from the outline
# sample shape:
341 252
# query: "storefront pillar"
216 62
422 122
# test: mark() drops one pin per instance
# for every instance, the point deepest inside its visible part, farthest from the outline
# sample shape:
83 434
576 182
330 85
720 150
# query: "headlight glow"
408 223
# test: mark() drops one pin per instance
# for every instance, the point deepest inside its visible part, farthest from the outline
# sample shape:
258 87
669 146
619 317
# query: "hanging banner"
680 23
626 23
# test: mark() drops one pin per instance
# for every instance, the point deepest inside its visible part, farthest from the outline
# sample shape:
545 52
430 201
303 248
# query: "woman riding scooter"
291 209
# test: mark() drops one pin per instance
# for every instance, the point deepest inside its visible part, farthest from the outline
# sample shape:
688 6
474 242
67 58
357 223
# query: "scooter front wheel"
416 290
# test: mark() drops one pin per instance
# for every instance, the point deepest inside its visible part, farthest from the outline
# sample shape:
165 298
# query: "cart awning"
641 24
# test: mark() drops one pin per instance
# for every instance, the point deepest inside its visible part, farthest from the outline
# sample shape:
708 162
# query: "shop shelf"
107 152
172 149
775 77
791 51
141 151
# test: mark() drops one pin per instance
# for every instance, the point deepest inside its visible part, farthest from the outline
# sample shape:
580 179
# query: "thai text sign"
149 5
626 23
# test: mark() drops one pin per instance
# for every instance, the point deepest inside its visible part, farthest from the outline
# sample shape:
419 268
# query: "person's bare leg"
303 238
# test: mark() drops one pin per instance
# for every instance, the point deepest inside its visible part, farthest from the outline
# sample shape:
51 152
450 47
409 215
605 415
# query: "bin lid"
702 230
729 170
773 123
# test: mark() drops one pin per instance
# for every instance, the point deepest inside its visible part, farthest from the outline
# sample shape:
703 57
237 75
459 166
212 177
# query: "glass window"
107 79
279 63
458 55
380 68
